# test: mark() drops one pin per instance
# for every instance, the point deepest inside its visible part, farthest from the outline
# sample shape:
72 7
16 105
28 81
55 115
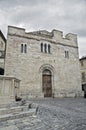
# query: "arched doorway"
47 83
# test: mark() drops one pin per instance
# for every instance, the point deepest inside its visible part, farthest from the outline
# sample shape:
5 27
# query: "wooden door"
47 85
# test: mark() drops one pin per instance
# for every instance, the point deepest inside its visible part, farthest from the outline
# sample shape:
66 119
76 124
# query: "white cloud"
65 15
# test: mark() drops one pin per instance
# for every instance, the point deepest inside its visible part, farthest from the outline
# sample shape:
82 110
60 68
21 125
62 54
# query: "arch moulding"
52 70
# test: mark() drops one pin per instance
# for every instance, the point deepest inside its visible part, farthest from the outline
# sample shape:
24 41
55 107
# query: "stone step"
17 115
9 110
15 104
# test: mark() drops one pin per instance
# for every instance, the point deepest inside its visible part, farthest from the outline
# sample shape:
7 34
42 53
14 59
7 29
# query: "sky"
68 16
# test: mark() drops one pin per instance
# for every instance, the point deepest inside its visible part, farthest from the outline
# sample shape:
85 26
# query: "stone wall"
83 69
66 78
9 88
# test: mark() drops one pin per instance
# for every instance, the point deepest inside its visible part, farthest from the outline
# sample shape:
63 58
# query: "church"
41 64
46 63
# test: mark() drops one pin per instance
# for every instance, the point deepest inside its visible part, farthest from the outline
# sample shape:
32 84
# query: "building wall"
83 69
28 67
2 43
2 49
9 87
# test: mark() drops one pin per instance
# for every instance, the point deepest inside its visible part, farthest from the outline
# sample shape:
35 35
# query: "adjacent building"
2 52
83 74
83 69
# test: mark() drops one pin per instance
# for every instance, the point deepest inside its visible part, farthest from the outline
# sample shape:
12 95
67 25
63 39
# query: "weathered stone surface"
53 114
28 67
9 87
9 112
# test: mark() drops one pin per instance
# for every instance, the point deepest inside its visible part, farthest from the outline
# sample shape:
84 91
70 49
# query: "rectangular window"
82 63
83 76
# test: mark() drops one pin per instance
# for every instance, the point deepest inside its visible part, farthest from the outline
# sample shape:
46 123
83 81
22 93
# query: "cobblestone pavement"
53 114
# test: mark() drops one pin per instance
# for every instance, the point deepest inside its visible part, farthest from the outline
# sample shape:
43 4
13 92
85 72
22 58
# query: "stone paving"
53 114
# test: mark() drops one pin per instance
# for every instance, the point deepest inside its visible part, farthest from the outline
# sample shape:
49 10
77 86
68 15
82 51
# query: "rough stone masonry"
46 62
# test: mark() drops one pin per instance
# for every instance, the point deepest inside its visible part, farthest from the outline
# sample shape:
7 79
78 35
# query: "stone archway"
47 83
47 73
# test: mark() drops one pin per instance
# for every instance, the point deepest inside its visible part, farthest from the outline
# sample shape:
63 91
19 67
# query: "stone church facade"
46 63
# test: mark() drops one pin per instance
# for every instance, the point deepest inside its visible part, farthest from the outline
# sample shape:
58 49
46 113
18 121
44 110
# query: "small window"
45 47
1 71
25 48
21 48
83 76
82 63
49 48
41 47
66 54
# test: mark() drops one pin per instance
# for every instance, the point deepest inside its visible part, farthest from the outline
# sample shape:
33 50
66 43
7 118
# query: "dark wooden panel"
47 85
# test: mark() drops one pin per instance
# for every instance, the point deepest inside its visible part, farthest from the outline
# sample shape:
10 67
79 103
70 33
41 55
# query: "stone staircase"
16 110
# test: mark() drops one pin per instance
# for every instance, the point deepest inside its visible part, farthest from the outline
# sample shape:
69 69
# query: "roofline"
16 27
3 37
83 58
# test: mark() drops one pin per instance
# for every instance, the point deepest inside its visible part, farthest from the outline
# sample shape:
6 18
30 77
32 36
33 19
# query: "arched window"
49 48
67 54
21 48
45 48
25 48
41 47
